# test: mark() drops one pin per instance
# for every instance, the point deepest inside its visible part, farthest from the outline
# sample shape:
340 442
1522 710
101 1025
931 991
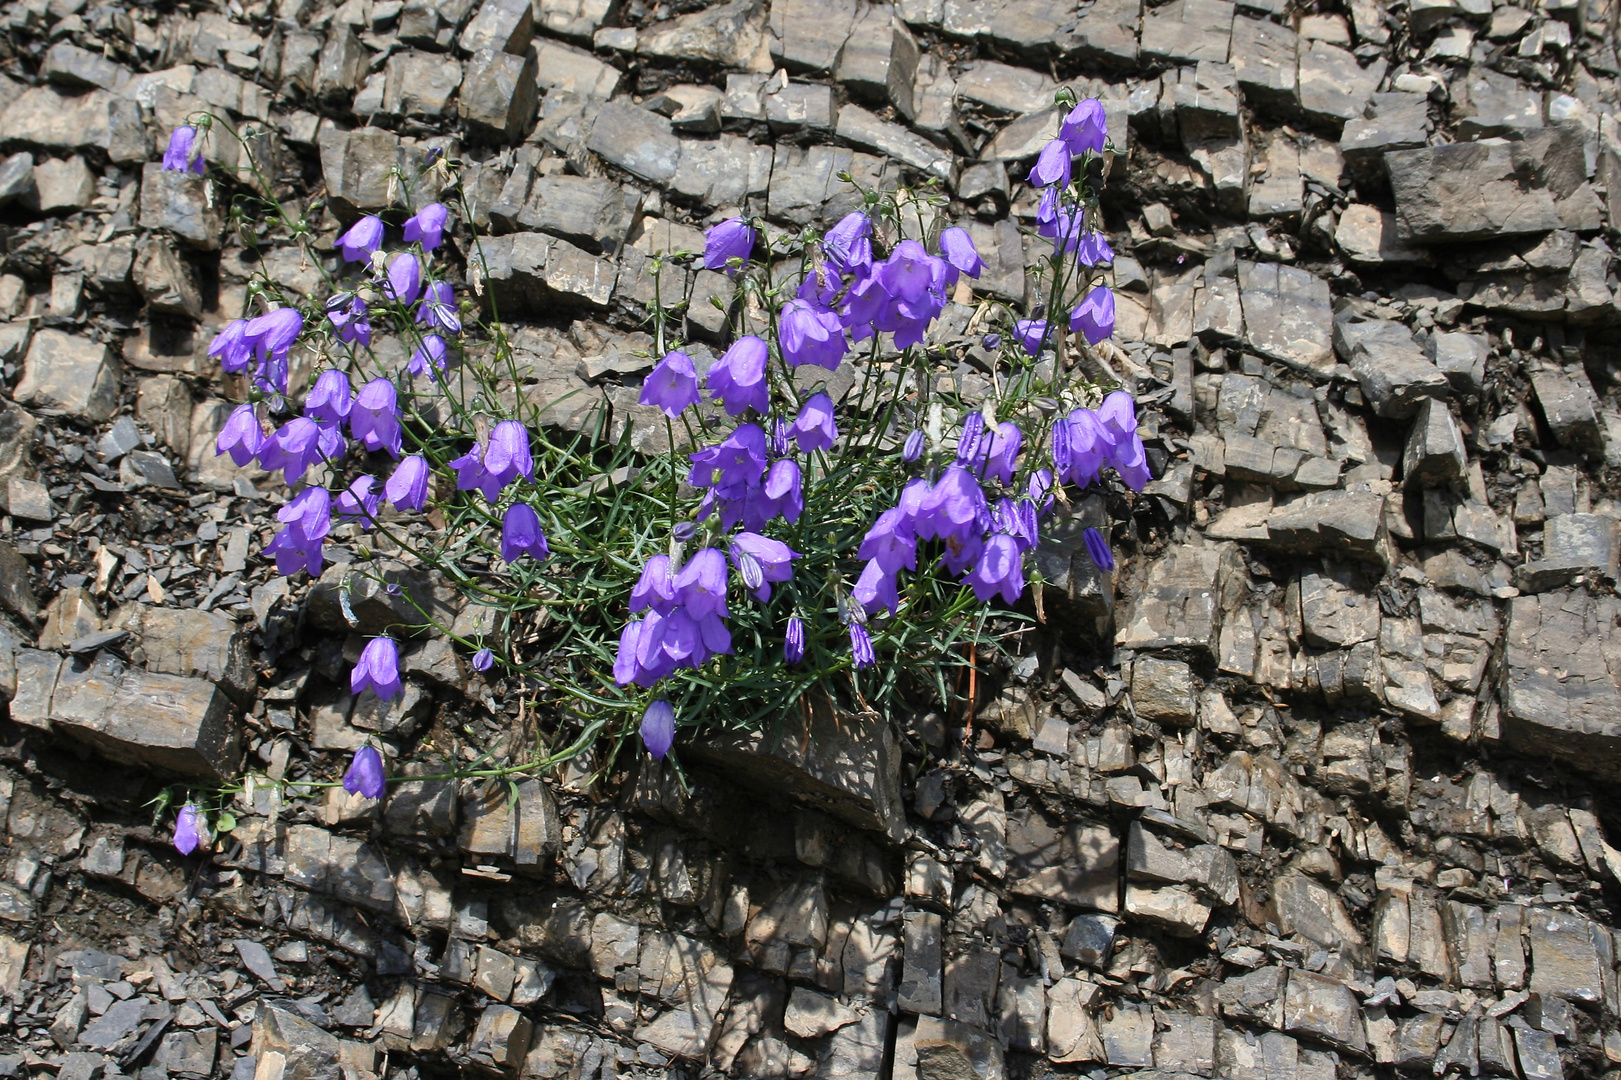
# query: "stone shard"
1561 681
1334 86
1077 865
1287 315
636 140
1395 375
165 722
75 374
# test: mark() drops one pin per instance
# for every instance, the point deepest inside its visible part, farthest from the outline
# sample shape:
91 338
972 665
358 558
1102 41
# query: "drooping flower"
779 494
658 729
848 245
507 456
952 508
1130 460
735 463
738 378
876 589
348 315
375 417
330 399
1117 416
793 641
307 519
429 357
438 308
891 542
483 660
700 584
655 588
363 239
359 501
294 447
403 283
731 239
912 449
183 154
521 535
809 335
908 272
241 437
231 347
1052 168
377 670
1093 249
1031 333
189 827
271 336
427 226
407 488
957 247
1000 569
1079 456
861 646
1093 317
773 558
365 776
972 446
814 428
672 385
1004 452
1085 127
1097 549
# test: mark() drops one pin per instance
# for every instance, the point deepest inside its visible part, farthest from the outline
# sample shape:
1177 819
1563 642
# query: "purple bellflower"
375 417
738 378
1000 569
483 660
359 501
810 335
1093 249
1085 127
731 239
184 152
508 457
814 428
407 489
1052 168
1097 548
403 282
271 336
348 315
655 588
848 245
362 240
1004 451
957 247
308 518
365 776
330 400
793 641
427 226
861 647
189 827
294 447
912 448
438 308
521 535
773 558
429 358
377 670
231 347
1031 333
241 437
1079 454
658 729
672 385
779 494
1093 317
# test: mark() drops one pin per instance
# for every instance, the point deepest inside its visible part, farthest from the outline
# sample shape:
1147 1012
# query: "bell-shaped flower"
1031 333
1052 168
1085 128
814 428
365 776
731 239
738 378
438 308
1118 416
655 588
1087 446
375 418
876 588
1097 549
407 488
184 152
848 245
912 448
330 399
1000 569
658 729
891 542
403 282
957 247
190 829
429 358
307 519
521 535
241 437
272 334
231 347
362 239
483 660
348 314
507 456
1004 452
774 558
377 670
427 226
700 585
359 502
732 465
672 385
1093 249
952 507
1093 317
294 447
809 335
908 272
1131 462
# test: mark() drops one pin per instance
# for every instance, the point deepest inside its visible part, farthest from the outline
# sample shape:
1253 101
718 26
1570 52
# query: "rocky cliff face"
1315 785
